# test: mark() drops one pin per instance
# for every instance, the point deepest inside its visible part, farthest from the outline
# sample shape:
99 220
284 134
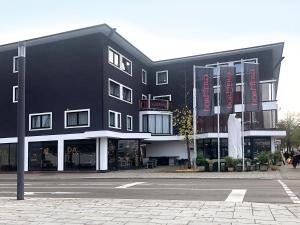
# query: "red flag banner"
251 84
227 89
204 90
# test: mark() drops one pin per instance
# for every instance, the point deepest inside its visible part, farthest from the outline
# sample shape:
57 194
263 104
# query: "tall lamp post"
21 119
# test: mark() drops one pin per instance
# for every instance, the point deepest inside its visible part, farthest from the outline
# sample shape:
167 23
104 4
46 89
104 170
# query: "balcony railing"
157 104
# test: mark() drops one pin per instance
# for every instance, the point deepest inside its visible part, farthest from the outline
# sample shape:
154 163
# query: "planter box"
201 168
230 169
263 167
274 167
239 168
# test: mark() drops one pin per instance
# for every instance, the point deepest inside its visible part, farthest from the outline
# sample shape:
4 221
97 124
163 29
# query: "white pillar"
60 155
97 154
26 155
273 144
103 155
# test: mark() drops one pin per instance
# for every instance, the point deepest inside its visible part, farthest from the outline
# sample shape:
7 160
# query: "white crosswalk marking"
291 194
129 185
236 195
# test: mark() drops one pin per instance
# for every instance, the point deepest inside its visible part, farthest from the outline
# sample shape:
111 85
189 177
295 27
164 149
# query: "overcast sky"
172 28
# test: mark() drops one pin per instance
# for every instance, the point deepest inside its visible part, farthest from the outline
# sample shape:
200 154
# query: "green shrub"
275 157
263 157
201 161
230 162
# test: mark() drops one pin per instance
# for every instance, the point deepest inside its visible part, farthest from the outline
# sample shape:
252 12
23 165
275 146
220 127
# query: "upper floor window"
114 120
162 77
15 94
77 118
126 65
129 122
157 123
114 57
144 97
15 64
40 121
118 60
119 91
144 76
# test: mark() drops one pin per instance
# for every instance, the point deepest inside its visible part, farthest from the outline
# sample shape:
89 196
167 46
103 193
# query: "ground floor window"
42 155
209 147
124 154
80 154
8 157
253 145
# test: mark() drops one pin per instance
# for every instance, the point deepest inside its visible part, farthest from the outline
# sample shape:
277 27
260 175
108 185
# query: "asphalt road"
247 190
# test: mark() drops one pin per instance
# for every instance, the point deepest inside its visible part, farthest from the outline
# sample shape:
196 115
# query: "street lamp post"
21 120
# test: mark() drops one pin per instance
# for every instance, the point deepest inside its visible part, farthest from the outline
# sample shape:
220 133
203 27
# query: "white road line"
43 192
129 185
291 194
236 195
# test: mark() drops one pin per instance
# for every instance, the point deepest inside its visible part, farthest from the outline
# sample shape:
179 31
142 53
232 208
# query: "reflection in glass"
80 154
8 157
42 155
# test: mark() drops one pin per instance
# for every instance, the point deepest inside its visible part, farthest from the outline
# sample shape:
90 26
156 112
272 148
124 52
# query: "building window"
118 60
113 57
162 97
162 77
157 123
114 89
77 118
144 76
144 97
15 94
126 65
129 122
40 121
114 119
119 91
15 64
127 94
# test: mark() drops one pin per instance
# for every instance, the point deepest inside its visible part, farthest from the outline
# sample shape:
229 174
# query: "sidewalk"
148 212
285 172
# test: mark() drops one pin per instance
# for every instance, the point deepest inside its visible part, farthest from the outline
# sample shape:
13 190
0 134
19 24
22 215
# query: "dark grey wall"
180 78
134 82
59 76
8 109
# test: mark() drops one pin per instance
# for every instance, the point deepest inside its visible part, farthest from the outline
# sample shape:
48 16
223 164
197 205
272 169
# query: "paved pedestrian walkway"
147 212
285 172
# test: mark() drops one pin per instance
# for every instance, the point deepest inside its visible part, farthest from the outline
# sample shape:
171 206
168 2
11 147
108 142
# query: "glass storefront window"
42 155
8 157
80 154
124 154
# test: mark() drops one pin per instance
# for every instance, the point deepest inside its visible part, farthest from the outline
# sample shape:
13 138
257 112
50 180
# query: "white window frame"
120 61
14 94
15 58
146 76
157 97
144 97
157 77
116 119
131 123
121 91
77 110
40 114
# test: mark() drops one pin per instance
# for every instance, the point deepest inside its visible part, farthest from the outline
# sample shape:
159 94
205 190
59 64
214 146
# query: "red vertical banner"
204 90
227 89
251 84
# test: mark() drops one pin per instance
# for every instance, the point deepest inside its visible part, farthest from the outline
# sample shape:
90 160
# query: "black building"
95 102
